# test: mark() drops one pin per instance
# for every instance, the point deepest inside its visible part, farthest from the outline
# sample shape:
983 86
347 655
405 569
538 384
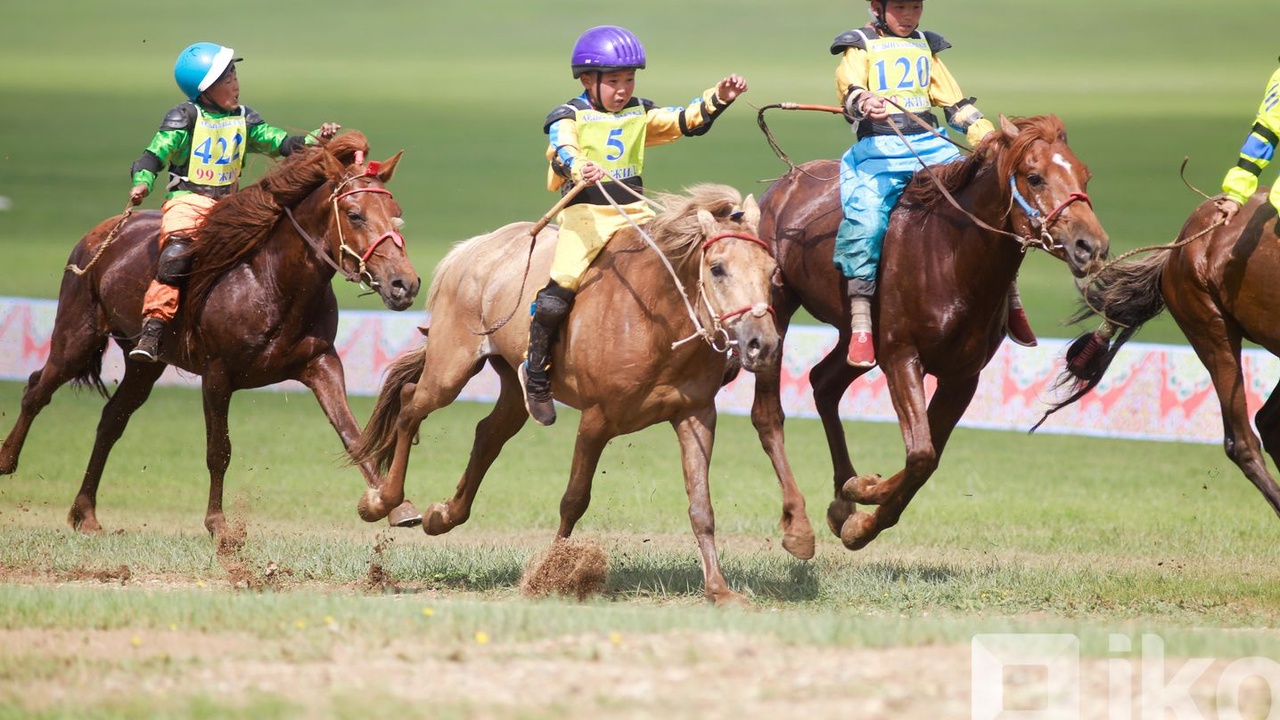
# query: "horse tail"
90 376
378 441
1126 295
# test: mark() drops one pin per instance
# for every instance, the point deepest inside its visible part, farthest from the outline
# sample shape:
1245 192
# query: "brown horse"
954 244
1219 283
258 307
629 355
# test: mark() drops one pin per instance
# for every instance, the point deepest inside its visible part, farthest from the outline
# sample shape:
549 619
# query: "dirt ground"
675 675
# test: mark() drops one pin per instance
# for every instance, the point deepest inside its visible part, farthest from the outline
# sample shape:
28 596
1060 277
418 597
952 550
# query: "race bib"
217 150
901 68
614 141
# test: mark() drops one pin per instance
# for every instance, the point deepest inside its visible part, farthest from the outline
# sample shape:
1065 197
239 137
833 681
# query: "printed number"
615 141
907 76
205 151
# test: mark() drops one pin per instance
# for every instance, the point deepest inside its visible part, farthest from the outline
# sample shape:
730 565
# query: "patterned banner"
1150 392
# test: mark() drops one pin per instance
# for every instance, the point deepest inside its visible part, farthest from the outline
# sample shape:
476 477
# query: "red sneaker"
862 353
1019 328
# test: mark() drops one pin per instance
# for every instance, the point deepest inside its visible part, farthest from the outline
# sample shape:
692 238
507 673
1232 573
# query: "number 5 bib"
614 141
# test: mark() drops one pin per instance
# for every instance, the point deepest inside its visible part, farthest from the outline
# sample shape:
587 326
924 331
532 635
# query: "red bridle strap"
1072 198
391 235
739 236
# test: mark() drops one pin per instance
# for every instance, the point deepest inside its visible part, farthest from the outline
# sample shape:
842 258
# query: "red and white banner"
1151 392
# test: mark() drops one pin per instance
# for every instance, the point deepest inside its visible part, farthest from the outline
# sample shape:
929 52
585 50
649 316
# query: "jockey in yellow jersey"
1258 150
603 131
891 58
202 143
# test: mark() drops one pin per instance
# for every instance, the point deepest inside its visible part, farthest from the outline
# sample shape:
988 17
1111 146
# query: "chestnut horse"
954 244
258 306
1219 283
629 355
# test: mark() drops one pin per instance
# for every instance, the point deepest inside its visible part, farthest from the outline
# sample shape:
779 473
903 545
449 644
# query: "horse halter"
362 274
1041 223
718 337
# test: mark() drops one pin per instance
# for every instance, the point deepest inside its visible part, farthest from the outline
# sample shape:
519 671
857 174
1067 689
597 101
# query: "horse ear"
389 167
1008 128
752 210
708 223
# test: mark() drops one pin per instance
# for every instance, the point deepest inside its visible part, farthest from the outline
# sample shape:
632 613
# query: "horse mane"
239 223
678 231
995 149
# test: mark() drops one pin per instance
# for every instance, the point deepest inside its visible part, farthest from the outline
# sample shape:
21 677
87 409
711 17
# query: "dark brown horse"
628 356
258 307
941 305
1219 283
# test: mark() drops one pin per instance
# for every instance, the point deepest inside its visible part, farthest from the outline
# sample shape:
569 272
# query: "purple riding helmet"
607 48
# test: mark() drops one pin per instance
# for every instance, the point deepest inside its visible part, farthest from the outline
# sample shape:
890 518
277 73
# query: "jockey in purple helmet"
202 143
890 58
603 131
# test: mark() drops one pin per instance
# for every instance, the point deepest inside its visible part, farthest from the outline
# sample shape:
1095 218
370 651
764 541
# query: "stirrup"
537 400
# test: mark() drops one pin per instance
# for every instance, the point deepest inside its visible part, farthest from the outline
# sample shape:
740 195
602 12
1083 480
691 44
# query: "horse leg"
73 352
767 417
1218 345
925 435
1268 423
593 435
830 378
492 433
697 433
133 391
326 379
217 403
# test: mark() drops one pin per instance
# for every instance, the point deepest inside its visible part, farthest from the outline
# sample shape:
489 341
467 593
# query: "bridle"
718 336
362 274
1040 223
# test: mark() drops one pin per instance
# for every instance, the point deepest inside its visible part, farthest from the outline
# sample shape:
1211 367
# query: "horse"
1218 282
629 355
258 304
954 243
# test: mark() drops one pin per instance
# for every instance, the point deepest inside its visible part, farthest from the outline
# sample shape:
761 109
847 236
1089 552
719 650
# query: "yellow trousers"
584 231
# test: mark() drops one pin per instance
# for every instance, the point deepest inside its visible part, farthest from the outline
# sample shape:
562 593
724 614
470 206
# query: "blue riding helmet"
607 48
200 66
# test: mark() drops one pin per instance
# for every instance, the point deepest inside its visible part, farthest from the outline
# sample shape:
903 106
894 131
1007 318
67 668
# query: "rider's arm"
170 144
563 152
1259 147
668 124
962 114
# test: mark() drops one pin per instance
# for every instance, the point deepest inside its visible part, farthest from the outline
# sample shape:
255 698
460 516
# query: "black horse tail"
378 441
90 376
1127 295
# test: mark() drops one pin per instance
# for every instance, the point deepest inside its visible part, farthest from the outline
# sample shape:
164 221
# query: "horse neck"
296 254
987 200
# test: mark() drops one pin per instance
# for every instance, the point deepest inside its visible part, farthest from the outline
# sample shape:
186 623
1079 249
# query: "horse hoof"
862 489
837 512
858 530
436 520
370 506
405 516
728 598
801 546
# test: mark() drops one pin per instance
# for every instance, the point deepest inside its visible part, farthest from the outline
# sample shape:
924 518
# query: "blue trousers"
873 174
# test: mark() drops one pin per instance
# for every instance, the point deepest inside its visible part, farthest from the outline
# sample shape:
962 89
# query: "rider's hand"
1227 209
137 193
728 89
328 130
589 172
874 107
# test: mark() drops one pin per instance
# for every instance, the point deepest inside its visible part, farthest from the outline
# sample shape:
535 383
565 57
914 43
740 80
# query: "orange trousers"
179 216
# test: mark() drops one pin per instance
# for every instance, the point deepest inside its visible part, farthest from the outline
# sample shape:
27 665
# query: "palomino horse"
258 307
1219 283
619 359
954 244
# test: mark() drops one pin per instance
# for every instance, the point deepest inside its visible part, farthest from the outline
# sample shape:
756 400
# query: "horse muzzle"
399 290
758 343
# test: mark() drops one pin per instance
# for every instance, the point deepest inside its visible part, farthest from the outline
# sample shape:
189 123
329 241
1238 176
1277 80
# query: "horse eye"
1035 180
717 270
737 215
355 217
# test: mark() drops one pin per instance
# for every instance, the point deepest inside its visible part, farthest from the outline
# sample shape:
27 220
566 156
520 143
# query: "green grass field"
1047 534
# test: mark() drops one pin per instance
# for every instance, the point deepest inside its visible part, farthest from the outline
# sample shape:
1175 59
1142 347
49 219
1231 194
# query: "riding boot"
1017 326
550 309
148 347
862 352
